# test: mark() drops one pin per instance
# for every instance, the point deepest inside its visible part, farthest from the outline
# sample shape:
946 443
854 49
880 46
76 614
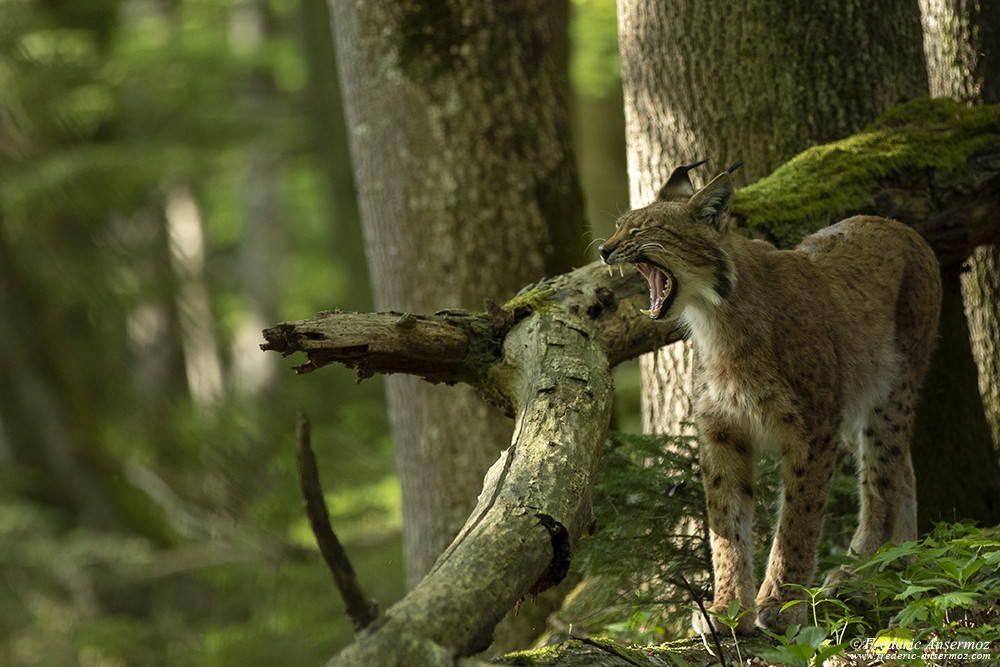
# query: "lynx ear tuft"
711 204
678 186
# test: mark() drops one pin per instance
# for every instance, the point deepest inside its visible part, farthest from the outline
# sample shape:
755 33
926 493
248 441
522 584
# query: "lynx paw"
700 625
834 583
840 584
771 617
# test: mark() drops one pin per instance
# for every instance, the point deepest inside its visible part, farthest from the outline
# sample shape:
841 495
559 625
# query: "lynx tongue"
661 287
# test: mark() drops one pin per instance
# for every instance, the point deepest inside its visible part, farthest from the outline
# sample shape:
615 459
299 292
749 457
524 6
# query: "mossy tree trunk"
457 117
962 40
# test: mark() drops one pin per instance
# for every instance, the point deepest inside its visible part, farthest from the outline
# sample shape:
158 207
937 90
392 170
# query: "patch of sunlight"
358 512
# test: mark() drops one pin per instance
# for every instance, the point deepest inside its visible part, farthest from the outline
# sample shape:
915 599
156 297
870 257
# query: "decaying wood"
458 346
545 357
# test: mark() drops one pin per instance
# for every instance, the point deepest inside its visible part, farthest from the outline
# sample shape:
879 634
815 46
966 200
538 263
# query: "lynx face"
674 243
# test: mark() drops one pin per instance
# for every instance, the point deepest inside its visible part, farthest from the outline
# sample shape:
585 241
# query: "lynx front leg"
807 476
728 472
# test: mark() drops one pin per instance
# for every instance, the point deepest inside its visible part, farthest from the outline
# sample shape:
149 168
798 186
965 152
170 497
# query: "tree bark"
546 355
467 190
962 41
740 81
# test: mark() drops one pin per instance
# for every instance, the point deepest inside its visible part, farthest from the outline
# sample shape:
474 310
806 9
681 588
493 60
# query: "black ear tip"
735 166
680 174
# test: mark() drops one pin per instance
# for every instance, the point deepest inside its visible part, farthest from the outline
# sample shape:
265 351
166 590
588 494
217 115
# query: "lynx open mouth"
662 289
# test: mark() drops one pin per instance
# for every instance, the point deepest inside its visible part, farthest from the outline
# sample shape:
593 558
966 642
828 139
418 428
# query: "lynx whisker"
598 239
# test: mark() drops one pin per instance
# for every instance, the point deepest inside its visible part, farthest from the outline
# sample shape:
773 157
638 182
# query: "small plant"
731 619
802 647
936 586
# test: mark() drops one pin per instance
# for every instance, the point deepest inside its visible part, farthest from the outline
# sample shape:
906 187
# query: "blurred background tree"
172 180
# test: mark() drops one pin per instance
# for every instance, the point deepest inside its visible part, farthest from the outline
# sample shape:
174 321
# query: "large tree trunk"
467 188
962 41
733 82
757 87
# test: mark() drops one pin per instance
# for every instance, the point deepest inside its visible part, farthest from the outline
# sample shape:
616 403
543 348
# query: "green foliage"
944 588
649 509
731 619
647 503
595 65
935 585
802 647
652 532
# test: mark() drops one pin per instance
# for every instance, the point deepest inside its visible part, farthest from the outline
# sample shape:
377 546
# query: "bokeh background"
174 177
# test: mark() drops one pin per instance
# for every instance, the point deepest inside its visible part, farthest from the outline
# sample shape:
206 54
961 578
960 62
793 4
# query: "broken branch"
360 608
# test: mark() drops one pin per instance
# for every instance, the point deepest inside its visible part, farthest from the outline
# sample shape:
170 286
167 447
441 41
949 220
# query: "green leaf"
972 567
950 568
812 636
790 603
991 557
803 651
828 651
915 611
734 608
912 591
782 656
961 599
678 659
892 554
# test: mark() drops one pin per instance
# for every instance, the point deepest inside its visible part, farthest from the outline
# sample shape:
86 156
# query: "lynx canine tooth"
621 270
611 270
644 311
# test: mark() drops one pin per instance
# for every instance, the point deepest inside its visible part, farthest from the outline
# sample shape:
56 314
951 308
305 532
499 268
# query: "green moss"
549 655
535 299
827 183
532 657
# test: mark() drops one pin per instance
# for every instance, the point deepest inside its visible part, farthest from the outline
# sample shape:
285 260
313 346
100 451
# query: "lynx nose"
605 252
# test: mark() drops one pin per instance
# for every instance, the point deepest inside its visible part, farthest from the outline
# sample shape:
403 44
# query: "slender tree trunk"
459 136
962 41
742 81
202 362
261 241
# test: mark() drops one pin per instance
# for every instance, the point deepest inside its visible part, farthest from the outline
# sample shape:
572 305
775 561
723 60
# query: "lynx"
794 349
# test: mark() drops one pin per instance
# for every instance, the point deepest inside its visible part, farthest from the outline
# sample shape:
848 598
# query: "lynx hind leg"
728 473
887 487
792 563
